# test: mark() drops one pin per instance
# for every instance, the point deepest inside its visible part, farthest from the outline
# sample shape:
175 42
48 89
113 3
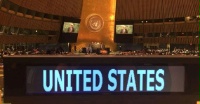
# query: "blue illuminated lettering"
131 81
99 74
86 80
47 88
160 80
59 80
77 73
69 86
112 80
141 73
150 80
121 73
92 80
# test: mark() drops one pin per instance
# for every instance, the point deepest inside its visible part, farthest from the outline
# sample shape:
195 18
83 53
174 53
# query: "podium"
103 51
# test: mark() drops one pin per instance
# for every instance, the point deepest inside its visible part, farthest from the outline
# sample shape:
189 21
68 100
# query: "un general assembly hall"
99 51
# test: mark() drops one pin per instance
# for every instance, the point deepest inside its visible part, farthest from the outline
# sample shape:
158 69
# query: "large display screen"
124 29
104 79
70 27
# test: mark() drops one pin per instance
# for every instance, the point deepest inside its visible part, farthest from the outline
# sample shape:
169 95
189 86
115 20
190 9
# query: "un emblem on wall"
94 22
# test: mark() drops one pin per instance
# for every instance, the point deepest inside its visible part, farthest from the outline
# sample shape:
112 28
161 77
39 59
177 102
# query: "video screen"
70 27
124 29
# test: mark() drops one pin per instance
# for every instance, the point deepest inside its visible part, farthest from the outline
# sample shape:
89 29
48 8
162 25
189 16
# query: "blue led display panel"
104 79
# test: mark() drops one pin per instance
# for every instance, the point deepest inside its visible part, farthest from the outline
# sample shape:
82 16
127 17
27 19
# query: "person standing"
74 47
89 49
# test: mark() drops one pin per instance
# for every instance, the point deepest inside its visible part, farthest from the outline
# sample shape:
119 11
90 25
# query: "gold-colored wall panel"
106 10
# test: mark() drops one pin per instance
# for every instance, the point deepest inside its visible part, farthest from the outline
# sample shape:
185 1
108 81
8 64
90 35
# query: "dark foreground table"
24 79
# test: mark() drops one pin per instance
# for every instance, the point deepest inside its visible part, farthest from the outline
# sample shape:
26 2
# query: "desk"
16 79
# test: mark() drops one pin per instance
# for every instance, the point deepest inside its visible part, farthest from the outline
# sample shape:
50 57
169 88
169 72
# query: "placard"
104 79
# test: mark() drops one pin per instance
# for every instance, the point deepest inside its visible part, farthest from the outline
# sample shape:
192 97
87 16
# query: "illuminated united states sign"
100 79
